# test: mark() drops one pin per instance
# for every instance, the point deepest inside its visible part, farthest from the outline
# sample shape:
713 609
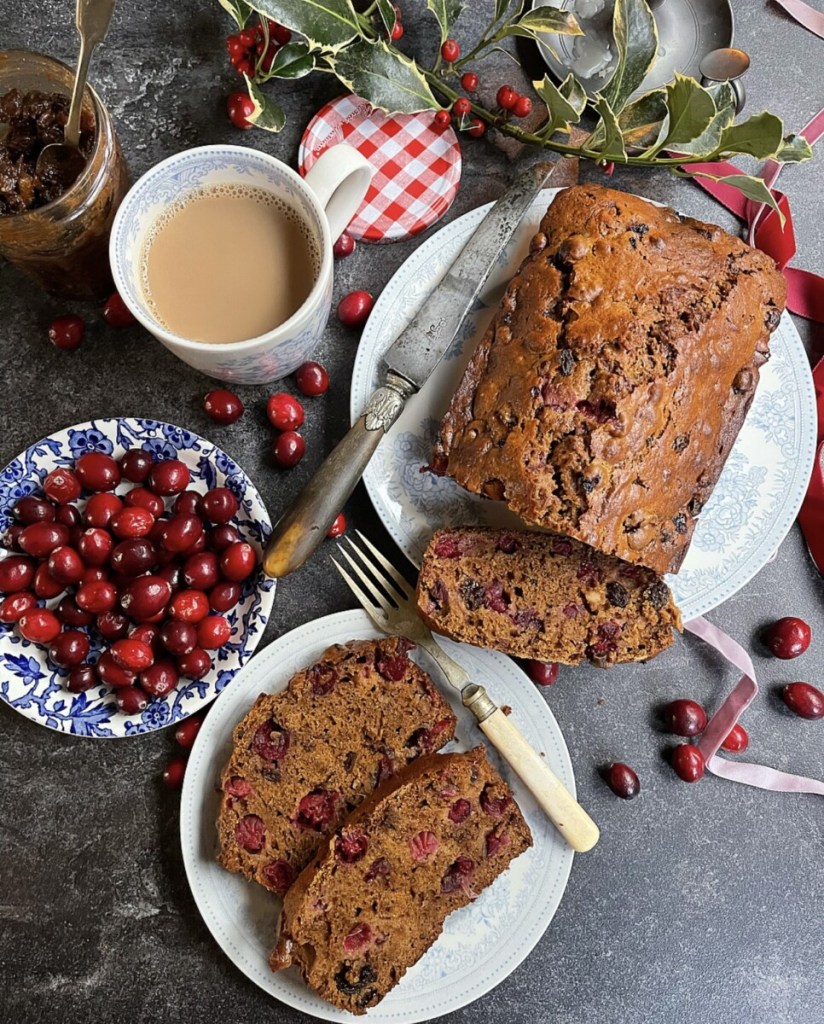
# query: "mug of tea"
225 255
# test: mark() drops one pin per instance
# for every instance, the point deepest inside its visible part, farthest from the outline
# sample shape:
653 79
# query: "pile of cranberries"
153 582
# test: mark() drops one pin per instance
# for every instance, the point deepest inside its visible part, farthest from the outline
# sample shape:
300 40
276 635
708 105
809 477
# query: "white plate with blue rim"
29 683
754 502
482 943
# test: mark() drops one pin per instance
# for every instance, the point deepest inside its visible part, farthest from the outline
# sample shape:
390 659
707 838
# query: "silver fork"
391 607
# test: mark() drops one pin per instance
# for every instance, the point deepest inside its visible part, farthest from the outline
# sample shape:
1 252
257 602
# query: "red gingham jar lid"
417 165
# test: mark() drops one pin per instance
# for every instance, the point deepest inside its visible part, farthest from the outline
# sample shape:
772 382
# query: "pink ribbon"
737 701
804 15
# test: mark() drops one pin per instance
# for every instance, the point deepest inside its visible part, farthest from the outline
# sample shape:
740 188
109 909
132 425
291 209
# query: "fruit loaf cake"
375 897
538 595
605 396
303 758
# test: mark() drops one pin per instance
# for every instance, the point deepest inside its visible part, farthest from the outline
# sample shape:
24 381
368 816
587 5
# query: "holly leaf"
612 147
239 10
545 19
562 112
641 120
446 13
753 188
501 7
267 113
760 135
388 16
690 111
385 77
793 149
294 60
636 41
329 24
708 141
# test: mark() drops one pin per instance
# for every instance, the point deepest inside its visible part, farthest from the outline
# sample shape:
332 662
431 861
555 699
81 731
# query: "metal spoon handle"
92 19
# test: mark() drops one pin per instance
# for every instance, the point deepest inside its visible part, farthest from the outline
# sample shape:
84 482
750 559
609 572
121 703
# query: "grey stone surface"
701 903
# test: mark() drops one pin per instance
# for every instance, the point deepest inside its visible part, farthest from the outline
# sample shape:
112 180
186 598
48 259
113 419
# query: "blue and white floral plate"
29 683
751 509
482 943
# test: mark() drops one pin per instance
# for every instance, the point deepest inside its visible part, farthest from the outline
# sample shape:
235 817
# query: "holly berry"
223 406
450 51
239 107
284 411
788 637
622 780
461 106
235 48
397 30
288 449
803 700
66 332
688 762
354 308
443 118
337 528
245 67
280 33
737 739
312 379
506 97
344 246
522 107
477 128
469 81
116 313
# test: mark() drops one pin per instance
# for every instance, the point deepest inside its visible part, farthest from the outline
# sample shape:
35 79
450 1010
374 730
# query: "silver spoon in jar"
62 161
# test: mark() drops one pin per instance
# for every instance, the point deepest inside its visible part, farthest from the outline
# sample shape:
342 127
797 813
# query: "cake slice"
538 595
305 757
375 897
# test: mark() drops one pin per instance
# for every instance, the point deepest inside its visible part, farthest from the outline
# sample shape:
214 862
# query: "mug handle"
339 178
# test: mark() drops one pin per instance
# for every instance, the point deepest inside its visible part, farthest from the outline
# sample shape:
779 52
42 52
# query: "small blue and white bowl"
30 684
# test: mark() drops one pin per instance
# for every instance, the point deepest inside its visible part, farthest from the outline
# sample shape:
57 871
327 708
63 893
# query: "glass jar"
63 245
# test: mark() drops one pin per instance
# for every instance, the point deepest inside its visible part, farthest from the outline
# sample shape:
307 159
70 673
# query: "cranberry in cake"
541 596
375 898
305 757
610 386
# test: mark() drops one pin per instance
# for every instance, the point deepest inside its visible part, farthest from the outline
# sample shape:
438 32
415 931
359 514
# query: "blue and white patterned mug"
326 200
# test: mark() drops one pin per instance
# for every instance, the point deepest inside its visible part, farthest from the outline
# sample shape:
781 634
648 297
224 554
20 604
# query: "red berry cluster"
66 332
153 582
251 52
513 102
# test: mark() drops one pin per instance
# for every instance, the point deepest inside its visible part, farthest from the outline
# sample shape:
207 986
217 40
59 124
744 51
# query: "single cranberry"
187 731
181 532
178 638
224 596
160 678
250 833
174 772
338 527
788 637
40 626
116 313
450 51
442 118
133 655
147 633
133 557
66 332
95 574
684 717
458 874
112 625
16 605
622 780
189 606
354 308
380 868
469 81
61 486
201 571
95 546
358 938
344 246
494 806
496 840
195 664
169 477
460 811
542 673
113 674
144 597
423 845
737 739
284 411
66 565
97 471
238 562
100 509
288 449
142 497
16 573
317 809
82 678
71 615
270 741
223 406
461 106
69 649
220 537
506 97
312 379
351 846
40 539
136 465
30 510
68 515
213 632
279 875
132 522
476 128
804 700
688 762
131 700
45 585
186 503
218 505
240 107
522 107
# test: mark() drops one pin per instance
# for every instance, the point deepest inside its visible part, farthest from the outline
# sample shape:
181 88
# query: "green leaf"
753 188
545 19
561 112
385 77
292 61
330 24
636 39
707 142
387 12
793 149
691 110
267 113
573 92
239 10
641 120
760 135
612 147
446 12
501 7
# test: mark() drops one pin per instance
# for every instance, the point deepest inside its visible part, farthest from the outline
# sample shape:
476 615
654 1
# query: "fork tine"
376 596
369 606
400 583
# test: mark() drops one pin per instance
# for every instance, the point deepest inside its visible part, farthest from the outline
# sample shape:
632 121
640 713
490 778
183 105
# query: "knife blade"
409 363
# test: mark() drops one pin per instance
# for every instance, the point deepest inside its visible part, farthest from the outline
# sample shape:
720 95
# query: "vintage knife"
409 362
